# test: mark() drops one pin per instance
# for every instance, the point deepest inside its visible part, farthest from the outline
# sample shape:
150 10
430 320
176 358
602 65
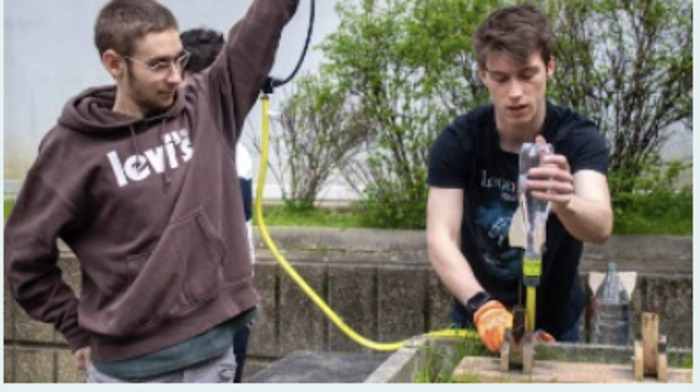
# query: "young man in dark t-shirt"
473 186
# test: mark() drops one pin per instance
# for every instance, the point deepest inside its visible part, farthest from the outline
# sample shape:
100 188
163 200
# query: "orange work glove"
543 337
491 321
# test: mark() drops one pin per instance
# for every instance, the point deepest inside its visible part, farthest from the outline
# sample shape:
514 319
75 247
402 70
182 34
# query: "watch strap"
475 302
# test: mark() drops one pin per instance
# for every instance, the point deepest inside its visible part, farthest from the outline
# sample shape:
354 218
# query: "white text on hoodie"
139 167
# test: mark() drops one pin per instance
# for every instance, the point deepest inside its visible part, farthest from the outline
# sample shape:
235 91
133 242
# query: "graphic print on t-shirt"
493 215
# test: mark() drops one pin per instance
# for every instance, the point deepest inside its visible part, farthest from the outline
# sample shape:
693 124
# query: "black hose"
272 83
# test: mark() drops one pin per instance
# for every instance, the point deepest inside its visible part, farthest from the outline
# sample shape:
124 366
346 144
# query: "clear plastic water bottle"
611 311
535 211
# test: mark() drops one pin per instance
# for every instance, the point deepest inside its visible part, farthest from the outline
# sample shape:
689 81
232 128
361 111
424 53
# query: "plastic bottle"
611 313
535 211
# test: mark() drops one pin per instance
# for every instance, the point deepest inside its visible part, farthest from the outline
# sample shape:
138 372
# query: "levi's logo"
176 150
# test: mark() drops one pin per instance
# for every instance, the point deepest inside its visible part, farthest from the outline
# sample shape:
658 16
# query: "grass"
9 203
284 216
661 213
658 214
315 217
439 361
686 362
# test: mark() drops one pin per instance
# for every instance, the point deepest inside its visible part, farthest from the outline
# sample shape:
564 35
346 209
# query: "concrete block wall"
409 300
33 351
385 292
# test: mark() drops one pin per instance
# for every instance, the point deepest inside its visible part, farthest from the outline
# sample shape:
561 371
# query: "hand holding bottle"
552 181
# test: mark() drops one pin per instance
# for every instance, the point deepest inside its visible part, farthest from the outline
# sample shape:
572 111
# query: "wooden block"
638 360
517 352
505 352
662 361
517 337
650 337
528 353
485 369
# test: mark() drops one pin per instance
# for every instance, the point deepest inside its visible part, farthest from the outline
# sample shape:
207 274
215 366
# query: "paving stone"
253 367
29 330
316 367
401 299
264 339
302 324
34 365
671 299
352 292
66 371
9 363
8 305
72 275
439 303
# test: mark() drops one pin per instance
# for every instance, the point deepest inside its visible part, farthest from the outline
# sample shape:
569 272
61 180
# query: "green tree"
408 69
408 65
627 65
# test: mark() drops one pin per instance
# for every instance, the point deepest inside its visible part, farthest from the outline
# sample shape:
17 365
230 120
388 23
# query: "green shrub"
662 212
656 205
407 64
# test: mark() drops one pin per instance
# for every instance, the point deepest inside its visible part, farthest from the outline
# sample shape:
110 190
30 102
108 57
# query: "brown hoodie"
151 208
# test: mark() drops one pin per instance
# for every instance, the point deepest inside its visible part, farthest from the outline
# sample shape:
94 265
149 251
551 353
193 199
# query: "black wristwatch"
475 302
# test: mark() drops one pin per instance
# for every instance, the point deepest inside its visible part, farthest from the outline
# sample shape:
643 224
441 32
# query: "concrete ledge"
642 248
386 291
315 367
358 240
400 366
628 247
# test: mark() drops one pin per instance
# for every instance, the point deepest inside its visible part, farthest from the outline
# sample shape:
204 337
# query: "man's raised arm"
238 75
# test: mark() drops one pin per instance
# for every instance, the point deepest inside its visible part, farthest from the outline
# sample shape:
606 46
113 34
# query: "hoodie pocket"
178 277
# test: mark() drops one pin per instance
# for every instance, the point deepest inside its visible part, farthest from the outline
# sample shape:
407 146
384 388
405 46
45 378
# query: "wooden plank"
650 337
483 369
638 360
662 360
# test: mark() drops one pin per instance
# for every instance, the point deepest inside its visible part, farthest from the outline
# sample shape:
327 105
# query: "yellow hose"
370 344
532 270
530 308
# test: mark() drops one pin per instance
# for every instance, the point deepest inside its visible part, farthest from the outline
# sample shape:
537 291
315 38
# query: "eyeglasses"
163 66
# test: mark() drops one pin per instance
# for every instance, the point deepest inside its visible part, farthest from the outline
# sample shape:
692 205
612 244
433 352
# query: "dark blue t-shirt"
467 155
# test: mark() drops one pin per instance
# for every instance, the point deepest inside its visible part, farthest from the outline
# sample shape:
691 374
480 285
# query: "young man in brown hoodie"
136 180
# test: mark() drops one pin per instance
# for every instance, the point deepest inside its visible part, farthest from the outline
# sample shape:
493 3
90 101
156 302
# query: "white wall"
50 57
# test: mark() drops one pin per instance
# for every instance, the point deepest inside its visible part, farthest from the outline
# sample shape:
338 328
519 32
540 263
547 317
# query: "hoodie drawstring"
166 180
164 175
135 142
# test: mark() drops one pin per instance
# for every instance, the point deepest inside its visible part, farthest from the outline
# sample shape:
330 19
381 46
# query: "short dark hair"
123 22
204 45
516 30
